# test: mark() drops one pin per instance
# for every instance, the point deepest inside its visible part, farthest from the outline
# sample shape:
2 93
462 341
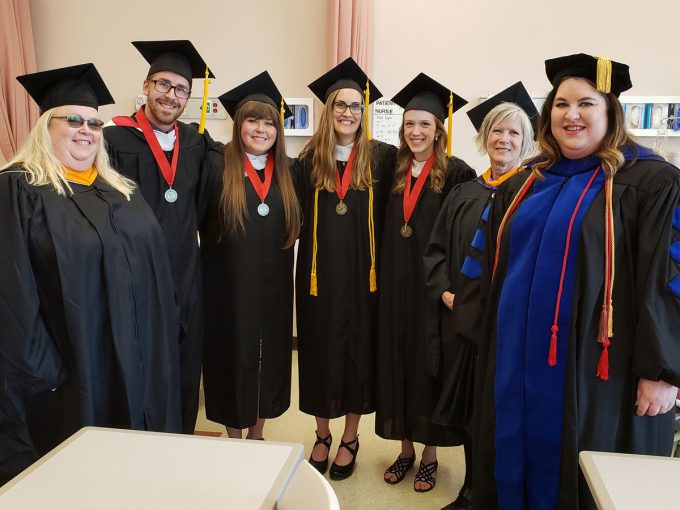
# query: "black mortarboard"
516 94
74 85
424 93
346 75
179 57
608 76
260 88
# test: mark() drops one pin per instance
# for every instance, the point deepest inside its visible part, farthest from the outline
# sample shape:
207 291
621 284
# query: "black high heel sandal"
399 468
426 474
342 472
321 465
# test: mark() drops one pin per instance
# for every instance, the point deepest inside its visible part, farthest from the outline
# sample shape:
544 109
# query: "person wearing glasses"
406 389
575 308
165 157
504 133
344 181
89 326
251 222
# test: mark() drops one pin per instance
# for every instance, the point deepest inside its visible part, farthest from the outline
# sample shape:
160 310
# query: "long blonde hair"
233 199
404 157
609 152
322 146
42 167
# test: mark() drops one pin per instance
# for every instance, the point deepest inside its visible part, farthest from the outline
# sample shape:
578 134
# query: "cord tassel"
449 126
603 363
552 353
282 112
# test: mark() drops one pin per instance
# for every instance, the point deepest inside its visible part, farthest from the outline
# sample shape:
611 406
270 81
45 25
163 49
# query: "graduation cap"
609 76
74 85
516 94
424 93
260 88
178 56
346 75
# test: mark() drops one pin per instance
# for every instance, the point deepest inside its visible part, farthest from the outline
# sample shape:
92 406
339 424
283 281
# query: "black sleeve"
436 257
210 182
458 171
657 339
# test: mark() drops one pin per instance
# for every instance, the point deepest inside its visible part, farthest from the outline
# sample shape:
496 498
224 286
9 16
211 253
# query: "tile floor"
365 489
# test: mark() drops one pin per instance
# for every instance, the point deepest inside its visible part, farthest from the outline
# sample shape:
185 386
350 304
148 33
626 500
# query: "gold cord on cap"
283 111
604 75
204 109
449 128
367 101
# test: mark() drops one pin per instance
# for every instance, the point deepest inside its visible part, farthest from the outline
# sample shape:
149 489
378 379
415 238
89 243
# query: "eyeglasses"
165 86
341 107
76 121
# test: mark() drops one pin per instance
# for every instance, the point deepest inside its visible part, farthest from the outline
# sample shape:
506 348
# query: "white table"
115 469
624 481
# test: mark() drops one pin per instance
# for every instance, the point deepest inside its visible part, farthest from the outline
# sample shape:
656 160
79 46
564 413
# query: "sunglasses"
76 121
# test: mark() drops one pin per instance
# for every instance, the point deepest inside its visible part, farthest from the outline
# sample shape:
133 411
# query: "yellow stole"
86 177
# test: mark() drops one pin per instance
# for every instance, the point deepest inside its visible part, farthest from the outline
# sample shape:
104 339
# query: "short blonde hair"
497 115
42 166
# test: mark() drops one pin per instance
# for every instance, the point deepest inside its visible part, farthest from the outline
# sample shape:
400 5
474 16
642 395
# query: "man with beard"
165 157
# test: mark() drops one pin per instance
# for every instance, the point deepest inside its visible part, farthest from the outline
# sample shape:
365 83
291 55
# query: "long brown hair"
322 146
233 198
404 157
609 152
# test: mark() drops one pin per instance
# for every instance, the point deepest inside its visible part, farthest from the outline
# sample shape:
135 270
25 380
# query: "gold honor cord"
449 128
204 109
367 101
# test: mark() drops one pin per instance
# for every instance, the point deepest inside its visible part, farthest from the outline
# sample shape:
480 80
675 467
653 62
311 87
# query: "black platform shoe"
321 465
342 472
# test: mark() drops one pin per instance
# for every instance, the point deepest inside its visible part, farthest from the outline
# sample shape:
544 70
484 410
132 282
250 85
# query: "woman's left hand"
655 397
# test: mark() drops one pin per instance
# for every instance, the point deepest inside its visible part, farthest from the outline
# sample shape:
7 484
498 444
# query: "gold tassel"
313 288
283 112
604 75
449 128
204 110
372 279
367 101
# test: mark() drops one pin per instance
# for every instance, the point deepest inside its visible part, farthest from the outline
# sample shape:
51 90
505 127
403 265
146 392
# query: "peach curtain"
17 56
349 32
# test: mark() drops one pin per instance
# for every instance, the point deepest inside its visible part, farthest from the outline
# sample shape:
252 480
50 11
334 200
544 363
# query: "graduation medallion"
170 195
341 208
406 231
263 209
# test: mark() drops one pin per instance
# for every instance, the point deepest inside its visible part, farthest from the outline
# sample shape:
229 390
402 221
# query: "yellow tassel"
283 112
367 101
313 289
372 280
449 129
204 110
604 75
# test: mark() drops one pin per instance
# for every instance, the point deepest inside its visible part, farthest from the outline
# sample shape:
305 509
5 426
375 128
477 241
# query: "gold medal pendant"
341 208
406 231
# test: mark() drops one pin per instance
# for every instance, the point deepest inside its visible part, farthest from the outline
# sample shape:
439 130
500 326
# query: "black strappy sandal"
321 465
426 473
399 468
342 472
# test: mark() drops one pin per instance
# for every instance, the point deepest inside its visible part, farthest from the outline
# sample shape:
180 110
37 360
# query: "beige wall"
479 47
238 39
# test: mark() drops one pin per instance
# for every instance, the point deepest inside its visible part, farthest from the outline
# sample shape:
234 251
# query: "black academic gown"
337 328
248 290
406 390
597 415
131 156
448 356
88 311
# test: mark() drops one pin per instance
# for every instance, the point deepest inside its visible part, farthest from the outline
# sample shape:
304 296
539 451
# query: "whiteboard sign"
387 117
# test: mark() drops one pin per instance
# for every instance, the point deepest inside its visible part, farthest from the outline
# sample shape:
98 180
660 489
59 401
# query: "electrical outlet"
192 110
